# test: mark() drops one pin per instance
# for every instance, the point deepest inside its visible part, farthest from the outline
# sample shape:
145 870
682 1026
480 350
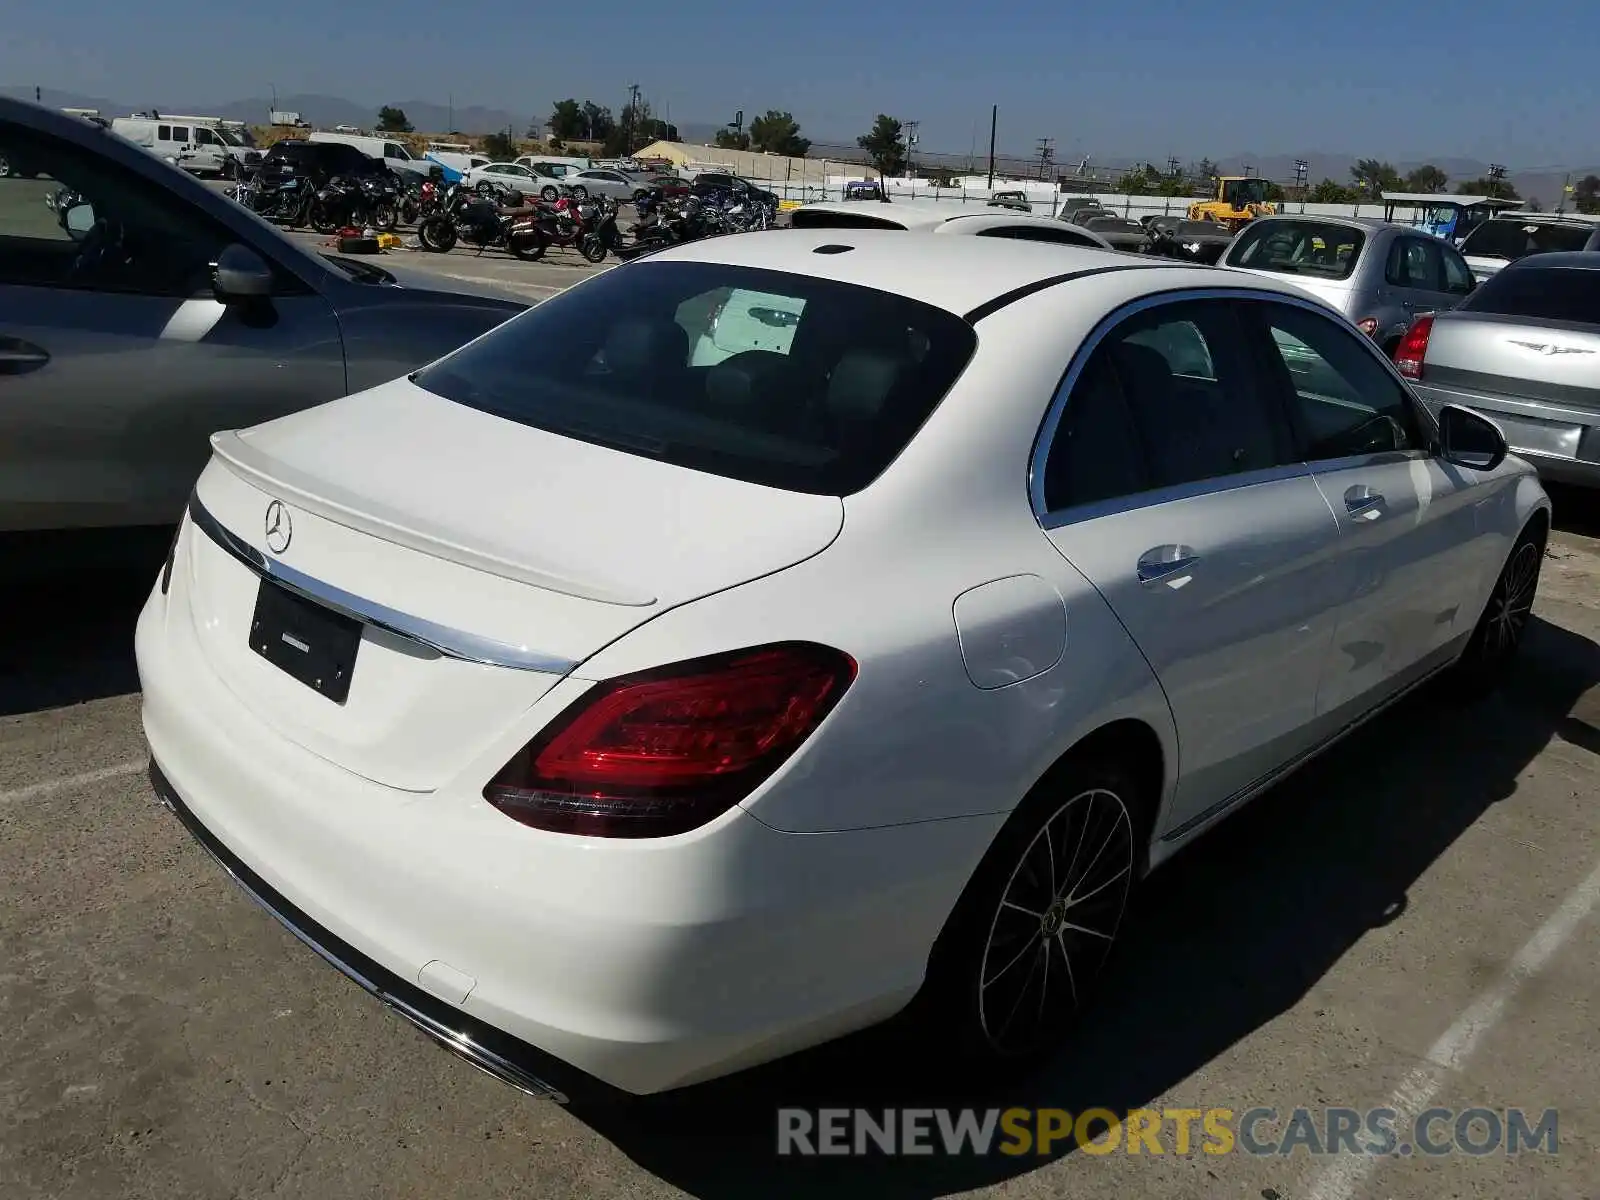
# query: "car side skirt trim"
452 643
452 1030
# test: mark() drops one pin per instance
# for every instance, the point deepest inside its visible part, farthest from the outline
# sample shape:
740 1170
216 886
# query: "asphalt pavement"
1407 924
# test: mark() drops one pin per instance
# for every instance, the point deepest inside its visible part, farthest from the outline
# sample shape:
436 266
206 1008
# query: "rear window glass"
784 380
1512 240
804 219
1551 293
1321 249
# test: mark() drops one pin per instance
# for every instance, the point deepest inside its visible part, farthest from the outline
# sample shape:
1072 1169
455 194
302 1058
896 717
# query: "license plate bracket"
306 641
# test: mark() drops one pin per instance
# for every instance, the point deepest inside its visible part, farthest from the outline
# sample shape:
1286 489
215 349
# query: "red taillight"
1413 348
1368 326
664 751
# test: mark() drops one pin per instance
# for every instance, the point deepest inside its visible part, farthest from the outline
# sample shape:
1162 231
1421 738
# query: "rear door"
1414 553
1172 484
118 361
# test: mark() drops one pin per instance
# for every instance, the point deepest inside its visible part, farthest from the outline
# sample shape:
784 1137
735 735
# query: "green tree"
499 146
566 120
1427 178
1134 182
598 123
1273 193
1174 185
778 133
393 120
1532 203
729 138
1374 177
634 128
1331 192
1488 187
1586 194
885 144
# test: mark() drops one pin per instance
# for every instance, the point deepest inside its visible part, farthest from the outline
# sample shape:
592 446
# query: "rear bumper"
646 965
1560 442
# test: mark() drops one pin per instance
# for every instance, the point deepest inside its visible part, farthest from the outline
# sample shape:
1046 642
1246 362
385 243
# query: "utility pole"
1046 153
1496 174
1301 169
911 141
1172 166
1566 190
994 121
631 126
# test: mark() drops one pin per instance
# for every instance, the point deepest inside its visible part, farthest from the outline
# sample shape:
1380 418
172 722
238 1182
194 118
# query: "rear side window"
801 219
1550 293
1169 397
1415 263
1320 249
1039 233
784 380
1512 240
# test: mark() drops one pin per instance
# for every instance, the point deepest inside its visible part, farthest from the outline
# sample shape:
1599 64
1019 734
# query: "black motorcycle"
481 220
282 197
359 202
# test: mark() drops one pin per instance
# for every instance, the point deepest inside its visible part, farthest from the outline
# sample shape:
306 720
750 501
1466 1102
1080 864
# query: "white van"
390 152
196 148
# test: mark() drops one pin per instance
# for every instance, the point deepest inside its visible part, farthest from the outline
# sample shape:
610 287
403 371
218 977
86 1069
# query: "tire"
5 167
385 217
1493 647
437 234
579 192
1018 958
549 193
593 249
321 218
528 249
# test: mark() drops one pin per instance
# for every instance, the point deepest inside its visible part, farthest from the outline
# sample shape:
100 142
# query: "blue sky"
1489 79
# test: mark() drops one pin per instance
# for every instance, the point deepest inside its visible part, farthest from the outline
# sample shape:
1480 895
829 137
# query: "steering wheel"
102 251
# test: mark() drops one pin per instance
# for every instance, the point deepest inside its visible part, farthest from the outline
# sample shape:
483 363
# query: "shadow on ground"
1227 938
68 605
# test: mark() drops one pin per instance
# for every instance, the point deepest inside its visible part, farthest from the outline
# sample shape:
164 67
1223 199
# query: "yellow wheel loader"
1240 199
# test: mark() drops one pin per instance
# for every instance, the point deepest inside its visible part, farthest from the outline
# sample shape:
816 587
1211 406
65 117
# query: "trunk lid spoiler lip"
333 503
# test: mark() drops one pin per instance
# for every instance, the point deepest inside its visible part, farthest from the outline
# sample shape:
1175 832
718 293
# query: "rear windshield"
1551 293
798 383
1512 240
1321 249
803 218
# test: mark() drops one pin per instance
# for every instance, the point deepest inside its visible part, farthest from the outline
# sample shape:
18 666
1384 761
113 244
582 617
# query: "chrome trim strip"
1052 418
457 1041
452 643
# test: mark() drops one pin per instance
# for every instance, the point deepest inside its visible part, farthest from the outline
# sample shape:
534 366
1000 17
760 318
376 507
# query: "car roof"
1365 223
925 216
1572 260
962 275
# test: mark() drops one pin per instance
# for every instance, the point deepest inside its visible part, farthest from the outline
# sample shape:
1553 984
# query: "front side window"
790 381
123 233
1169 397
1319 249
1342 400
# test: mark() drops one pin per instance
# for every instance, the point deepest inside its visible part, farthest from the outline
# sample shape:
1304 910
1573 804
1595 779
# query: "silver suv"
1378 274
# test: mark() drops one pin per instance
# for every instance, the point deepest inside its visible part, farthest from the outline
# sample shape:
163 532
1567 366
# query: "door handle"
1163 562
18 357
1361 498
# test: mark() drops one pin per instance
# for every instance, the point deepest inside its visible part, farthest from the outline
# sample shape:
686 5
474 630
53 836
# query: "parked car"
1121 233
1523 349
592 707
1377 274
1503 240
1191 241
942 218
612 184
513 175
1016 200
321 161
155 311
710 184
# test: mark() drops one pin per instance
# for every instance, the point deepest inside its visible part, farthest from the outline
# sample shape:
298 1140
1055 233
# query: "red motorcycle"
568 222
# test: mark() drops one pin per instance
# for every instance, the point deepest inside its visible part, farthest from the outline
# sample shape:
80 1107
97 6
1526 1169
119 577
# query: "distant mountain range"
431 117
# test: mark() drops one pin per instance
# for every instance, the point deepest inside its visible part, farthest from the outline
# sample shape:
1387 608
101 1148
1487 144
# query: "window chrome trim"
451 643
1045 438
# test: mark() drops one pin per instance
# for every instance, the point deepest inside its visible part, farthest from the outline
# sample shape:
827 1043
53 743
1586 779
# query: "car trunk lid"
488 559
1554 362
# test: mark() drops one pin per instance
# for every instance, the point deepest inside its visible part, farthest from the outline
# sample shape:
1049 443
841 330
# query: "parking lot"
1409 923
1405 924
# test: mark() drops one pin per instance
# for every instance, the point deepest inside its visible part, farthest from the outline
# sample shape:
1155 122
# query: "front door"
1173 486
119 362
1409 531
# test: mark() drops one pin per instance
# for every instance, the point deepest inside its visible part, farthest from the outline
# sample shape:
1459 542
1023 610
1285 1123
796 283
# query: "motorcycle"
283 198
360 202
420 200
588 226
480 221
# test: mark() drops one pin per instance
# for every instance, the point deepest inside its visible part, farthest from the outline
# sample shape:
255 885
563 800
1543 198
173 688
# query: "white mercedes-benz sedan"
759 636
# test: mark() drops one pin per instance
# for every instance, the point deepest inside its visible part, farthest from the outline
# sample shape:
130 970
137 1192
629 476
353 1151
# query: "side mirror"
1469 439
240 274
79 221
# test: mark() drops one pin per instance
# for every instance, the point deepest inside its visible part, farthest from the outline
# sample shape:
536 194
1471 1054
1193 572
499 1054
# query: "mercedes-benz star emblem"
279 528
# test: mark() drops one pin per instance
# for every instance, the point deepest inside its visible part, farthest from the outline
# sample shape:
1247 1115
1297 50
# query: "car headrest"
861 383
1146 373
642 347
